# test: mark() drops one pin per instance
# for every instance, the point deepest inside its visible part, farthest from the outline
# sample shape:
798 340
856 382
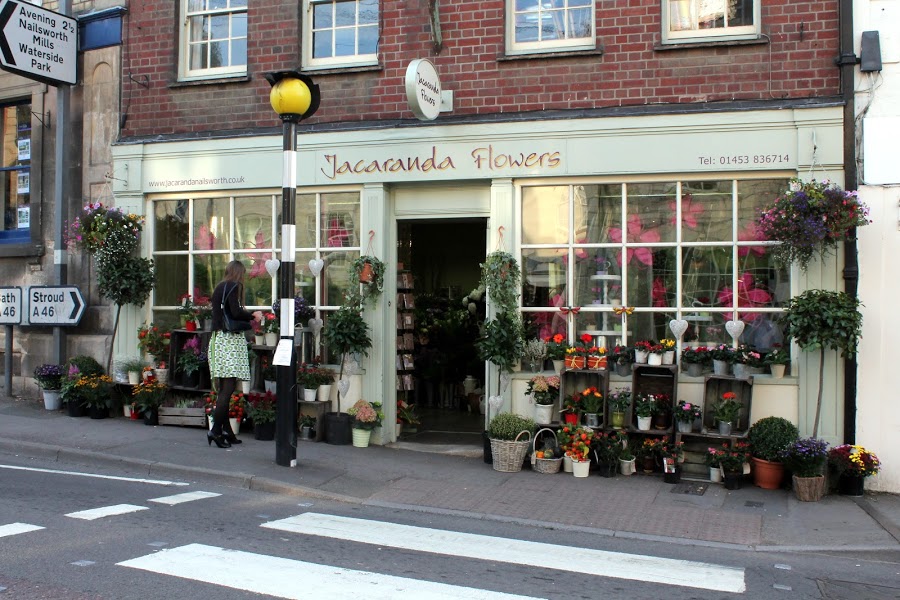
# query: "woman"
228 358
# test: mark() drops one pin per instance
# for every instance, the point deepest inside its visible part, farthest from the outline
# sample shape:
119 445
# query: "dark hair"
234 272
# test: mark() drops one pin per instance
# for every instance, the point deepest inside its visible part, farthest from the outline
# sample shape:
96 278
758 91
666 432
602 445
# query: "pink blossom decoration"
636 234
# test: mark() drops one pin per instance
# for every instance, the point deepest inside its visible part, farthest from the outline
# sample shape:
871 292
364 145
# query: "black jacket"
232 304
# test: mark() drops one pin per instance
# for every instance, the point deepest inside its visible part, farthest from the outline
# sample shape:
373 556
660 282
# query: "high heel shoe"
220 440
232 439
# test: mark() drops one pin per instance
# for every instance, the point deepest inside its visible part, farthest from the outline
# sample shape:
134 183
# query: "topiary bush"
770 437
86 365
506 426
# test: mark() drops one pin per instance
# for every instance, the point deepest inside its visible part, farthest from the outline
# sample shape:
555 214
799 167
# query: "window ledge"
342 70
210 81
558 54
11 250
710 44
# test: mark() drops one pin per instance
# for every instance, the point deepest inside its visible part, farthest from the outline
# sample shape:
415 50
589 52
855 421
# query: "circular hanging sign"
423 89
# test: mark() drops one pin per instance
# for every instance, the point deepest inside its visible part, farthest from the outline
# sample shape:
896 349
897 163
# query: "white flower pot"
398 427
259 340
245 386
685 426
558 366
641 357
715 474
777 371
235 425
126 410
567 464
52 400
643 423
271 339
655 360
269 385
162 375
668 357
324 393
626 466
543 413
361 437
309 395
581 468
134 377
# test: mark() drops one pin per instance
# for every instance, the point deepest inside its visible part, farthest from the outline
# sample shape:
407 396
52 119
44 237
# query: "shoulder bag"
231 324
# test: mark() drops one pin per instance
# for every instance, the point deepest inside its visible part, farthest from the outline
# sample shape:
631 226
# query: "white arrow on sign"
38 43
55 305
10 305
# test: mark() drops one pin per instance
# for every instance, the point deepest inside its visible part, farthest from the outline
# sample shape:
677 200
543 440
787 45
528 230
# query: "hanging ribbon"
569 309
370 249
623 310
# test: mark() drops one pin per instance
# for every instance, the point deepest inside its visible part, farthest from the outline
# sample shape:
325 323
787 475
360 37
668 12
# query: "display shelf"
405 355
199 382
576 380
317 410
655 380
714 387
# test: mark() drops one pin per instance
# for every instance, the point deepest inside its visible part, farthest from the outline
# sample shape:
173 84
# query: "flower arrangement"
806 457
644 346
723 352
364 415
187 308
572 404
591 400
747 356
545 390
644 405
303 312
406 413
108 229
577 442
49 377
778 355
667 344
810 219
620 355
556 347
584 346
732 459
700 355
154 341
94 390
203 307
618 400
148 394
853 460
311 376
608 445
713 457
237 406
269 323
727 409
687 412
191 357
651 447
657 348
534 352
671 450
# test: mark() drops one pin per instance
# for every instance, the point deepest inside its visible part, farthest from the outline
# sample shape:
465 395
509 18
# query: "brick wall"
796 63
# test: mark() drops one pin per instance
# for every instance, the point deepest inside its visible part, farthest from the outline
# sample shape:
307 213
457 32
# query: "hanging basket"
367 273
545 465
509 455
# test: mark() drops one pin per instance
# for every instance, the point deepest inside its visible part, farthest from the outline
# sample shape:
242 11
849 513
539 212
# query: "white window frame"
333 62
746 32
581 43
184 60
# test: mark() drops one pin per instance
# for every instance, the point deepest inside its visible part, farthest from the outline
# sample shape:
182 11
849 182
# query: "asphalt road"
59 539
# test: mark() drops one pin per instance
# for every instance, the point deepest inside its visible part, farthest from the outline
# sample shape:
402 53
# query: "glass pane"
681 16
256 264
762 331
329 357
345 42
9 136
597 209
345 14
238 3
195 5
198 59
705 272
335 277
219 27
652 286
239 25
543 277
305 209
253 222
711 14
707 328
545 215
580 2
740 13
605 327
212 223
368 12
705 211
580 22
650 213
526 5
368 39
218 55
199 28
322 16
340 220
257 283
238 53
649 326
754 291
208 272
526 29
304 282
544 324
753 196
598 278
171 286
218 4
552 25
167 319
322 44
170 227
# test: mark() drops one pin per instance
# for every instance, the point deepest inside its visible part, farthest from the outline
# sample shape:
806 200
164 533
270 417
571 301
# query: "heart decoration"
734 329
316 265
272 266
316 325
504 381
344 386
495 403
678 327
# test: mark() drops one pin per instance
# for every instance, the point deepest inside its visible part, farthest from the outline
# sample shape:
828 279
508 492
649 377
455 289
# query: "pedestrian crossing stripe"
186 497
106 511
520 552
294 579
17 528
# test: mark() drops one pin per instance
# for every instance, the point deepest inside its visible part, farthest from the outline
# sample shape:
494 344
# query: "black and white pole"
294 97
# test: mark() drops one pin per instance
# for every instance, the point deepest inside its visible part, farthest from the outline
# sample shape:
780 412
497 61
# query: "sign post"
38 43
55 305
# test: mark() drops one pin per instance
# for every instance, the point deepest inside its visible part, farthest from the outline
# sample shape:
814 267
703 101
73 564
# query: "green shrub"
506 426
771 436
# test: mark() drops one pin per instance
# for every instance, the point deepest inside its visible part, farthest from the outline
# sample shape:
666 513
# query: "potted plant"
406 415
556 351
806 459
672 454
642 351
685 415
267 370
732 461
365 419
626 462
501 277
545 391
853 464
534 351
662 411
50 379
621 358
824 320
668 351
369 271
147 396
722 358
95 394
648 452
237 408
777 358
571 409
501 341
809 219
70 393
696 359
307 424
187 312
713 460
190 359
747 362
578 451
269 326
154 340
769 438
644 407
727 411
508 447
606 447
261 409
133 367
346 333
617 402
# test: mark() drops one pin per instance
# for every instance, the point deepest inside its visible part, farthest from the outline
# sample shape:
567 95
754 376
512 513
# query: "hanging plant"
369 271
501 276
810 219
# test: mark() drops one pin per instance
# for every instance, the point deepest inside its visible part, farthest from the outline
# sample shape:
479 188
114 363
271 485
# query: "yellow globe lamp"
290 96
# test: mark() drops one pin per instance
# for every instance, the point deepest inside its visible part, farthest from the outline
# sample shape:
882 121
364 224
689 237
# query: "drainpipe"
847 62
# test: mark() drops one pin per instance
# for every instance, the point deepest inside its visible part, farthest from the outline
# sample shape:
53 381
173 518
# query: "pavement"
450 479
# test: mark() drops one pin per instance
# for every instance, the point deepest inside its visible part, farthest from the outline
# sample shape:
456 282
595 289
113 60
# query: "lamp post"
294 97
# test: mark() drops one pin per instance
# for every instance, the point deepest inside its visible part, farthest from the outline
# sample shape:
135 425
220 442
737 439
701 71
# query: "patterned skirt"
228 355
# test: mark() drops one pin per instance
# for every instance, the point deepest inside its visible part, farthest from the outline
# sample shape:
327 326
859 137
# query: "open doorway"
438 368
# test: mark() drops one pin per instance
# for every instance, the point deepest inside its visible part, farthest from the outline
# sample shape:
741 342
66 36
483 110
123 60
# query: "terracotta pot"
575 362
367 273
190 325
596 362
571 418
767 474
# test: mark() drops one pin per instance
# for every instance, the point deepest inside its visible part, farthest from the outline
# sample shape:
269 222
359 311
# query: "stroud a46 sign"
38 43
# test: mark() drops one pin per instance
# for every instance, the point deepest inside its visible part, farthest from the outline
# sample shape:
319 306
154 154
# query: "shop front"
620 225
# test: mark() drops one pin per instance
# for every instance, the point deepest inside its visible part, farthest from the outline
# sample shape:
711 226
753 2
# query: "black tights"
227 386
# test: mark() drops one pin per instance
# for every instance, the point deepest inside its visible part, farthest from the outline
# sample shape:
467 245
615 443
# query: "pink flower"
748 296
689 211
636 234
750 233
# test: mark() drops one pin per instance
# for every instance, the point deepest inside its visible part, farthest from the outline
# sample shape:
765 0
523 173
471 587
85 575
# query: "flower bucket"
733 479
323 394
695 370
259 340
596 362
851 485
741 371
245 386
309 395
567 464
264 431
361 437
643 423
581 468
626 467
570 418
715 474
655 360
592 419
134 378
641 357
623 370
235 425
724 428
809 489
269 385
558 366
271 339
190 325
720 367
777 371
543 413
617 420
162 375
685 426
573 361
668 357
52 400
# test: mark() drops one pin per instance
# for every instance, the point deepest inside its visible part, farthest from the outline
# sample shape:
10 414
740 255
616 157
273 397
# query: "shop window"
710 20
549 25
15 167
213 39
340 33
620 260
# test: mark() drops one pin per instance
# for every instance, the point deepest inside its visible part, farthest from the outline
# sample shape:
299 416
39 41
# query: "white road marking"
286 578
17 528
106 511
549 556
186 497
94 475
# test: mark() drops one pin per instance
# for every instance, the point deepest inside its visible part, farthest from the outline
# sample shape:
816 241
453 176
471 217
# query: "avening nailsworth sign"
38 43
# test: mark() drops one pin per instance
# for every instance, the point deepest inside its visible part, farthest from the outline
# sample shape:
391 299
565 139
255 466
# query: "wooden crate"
714 387
655 380
193 417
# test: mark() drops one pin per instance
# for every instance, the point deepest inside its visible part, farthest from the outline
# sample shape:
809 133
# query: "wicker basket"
545 465
509 455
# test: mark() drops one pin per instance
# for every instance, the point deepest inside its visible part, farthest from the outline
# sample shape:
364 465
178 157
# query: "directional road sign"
10 305
55 305
38 43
